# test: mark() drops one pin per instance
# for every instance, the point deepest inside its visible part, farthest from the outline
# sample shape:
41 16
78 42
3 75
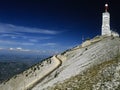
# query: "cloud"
33 40
49 44
11 35
27 44
8 42
18 49
1 48
23 38
9 28
27 37
36 39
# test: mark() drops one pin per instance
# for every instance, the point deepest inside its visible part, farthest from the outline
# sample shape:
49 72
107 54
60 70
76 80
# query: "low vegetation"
94 78
6 67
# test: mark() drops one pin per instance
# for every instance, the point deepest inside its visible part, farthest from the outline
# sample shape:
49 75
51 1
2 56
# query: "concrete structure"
106 24
114 33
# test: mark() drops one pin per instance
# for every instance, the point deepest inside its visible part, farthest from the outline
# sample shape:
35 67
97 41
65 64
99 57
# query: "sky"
52 25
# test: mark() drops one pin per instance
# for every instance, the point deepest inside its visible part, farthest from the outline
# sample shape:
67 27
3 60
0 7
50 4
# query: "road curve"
49 71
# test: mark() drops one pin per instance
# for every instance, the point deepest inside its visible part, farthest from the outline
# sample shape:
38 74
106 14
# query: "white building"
106 24
114 33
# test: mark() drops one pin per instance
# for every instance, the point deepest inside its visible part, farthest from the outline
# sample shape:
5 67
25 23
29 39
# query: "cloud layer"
12 36
9 28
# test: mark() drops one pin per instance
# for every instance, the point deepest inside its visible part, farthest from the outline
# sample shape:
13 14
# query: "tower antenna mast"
106 7
82 38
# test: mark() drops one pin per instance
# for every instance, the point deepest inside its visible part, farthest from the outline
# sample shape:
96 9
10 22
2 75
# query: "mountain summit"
94 65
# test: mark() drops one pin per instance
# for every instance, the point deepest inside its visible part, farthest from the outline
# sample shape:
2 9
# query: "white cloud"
27 44
1 48
9 28
6 42
36 39
11 48
19 49
49 44
27 37
11 35
18 36
33 40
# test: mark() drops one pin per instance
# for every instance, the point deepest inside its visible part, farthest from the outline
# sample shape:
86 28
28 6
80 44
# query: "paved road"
57 64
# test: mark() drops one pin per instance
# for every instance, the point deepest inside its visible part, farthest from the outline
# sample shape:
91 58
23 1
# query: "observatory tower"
106 22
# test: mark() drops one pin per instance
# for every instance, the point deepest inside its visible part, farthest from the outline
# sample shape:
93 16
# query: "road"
57 64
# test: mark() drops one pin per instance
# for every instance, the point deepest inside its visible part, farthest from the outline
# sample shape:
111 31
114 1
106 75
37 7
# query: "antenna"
106 7
82 38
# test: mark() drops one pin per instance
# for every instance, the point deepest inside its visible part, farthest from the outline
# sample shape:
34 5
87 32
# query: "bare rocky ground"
91 67
104 76
94 65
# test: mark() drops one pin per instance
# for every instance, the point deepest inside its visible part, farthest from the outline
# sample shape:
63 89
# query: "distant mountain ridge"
94 65
15 62
9 69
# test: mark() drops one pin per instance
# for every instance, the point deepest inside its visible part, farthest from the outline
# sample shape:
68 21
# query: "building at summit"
106 24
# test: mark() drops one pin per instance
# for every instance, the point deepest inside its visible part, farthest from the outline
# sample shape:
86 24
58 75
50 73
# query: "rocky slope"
94 65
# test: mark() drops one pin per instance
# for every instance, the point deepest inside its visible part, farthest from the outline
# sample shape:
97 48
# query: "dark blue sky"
52 25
